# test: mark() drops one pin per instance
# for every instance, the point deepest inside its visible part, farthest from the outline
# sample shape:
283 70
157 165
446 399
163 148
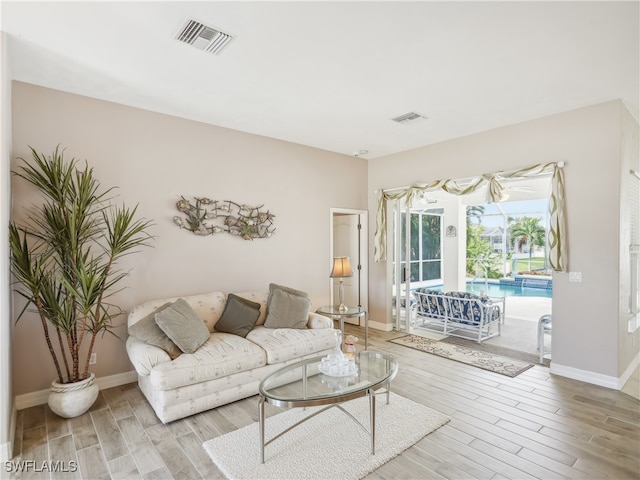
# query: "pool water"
498 290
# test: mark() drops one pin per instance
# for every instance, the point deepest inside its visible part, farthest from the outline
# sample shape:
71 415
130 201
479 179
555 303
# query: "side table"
333 311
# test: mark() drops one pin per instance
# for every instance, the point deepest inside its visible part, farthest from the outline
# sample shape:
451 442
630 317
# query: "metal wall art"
208 217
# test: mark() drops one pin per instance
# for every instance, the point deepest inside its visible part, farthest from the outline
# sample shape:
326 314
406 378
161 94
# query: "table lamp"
341 269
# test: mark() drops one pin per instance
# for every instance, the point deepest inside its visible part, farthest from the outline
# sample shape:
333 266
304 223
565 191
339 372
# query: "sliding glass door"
417 258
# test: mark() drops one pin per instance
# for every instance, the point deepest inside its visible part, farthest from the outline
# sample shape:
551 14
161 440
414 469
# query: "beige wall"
585 314
154 159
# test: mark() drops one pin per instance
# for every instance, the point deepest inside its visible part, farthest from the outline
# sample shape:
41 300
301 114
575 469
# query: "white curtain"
557 254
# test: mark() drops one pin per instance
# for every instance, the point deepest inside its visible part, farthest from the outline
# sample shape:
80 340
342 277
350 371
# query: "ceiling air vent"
411 117
203 37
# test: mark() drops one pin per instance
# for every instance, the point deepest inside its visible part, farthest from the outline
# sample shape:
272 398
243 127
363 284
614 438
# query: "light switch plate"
575 276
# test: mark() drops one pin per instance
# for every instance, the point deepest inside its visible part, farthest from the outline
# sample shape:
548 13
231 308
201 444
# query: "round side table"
350 312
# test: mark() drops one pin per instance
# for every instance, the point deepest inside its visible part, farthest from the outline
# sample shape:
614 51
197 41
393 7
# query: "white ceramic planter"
73 399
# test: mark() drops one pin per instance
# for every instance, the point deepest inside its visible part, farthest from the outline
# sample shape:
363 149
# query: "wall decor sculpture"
208 217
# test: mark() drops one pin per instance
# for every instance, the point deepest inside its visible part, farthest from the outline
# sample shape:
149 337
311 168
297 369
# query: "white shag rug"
328 446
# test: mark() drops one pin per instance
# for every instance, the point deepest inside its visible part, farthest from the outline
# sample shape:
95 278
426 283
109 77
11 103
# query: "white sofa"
227 367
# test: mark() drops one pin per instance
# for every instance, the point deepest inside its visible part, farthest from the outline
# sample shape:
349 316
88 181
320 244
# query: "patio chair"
544 327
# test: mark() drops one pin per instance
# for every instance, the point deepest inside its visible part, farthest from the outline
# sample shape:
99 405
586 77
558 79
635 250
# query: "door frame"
361 270
402 274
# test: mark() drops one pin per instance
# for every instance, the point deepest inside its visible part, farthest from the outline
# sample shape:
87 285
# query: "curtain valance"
557 255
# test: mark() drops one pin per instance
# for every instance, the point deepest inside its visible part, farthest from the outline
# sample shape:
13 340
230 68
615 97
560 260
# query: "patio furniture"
544 327
413 306
460 314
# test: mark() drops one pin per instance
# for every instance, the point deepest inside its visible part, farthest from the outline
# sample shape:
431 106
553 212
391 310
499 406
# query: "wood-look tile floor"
533 426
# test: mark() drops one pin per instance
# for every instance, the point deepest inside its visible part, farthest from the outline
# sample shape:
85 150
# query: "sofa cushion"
283 344
183 326
221 355
239 316
287 310
147 330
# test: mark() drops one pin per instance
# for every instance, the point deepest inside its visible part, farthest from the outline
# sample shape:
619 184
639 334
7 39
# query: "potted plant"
64 257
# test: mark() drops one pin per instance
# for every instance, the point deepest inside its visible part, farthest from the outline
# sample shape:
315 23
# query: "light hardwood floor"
532 426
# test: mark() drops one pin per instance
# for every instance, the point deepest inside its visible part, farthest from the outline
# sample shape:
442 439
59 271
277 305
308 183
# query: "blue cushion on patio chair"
433 304
403 301
469 313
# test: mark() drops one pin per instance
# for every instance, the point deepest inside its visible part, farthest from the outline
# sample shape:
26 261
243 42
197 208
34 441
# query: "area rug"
485 360
490 347
328 446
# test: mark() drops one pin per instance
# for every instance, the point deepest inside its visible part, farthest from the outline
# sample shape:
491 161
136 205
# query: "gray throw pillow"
273 287
147 330
183 326
287 310
239 316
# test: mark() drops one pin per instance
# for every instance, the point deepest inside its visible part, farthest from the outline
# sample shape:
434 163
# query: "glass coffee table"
302 385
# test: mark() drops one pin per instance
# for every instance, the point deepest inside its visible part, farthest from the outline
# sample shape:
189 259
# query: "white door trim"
363 216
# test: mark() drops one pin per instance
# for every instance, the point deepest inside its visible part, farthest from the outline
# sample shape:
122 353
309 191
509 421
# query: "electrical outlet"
94 359
575 276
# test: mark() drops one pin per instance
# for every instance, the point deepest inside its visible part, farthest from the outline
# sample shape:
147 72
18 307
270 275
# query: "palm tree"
475 212
527 231
65 257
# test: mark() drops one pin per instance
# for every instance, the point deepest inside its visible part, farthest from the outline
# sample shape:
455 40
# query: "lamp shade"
341 268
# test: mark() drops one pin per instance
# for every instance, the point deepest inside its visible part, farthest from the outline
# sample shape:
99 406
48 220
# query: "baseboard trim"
40 397
6 448
585 376
385 327
117 379
629 371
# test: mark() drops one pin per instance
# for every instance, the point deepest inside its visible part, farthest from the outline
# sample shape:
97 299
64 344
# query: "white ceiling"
332 74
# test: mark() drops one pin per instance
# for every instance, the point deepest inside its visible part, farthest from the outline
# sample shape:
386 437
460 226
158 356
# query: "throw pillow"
239 316
273 287
147 330
183 326
287 310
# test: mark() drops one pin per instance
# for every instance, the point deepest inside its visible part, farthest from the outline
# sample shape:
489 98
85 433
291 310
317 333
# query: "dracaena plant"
64 257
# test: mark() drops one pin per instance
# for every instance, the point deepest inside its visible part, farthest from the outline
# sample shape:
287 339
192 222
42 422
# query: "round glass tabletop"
302 384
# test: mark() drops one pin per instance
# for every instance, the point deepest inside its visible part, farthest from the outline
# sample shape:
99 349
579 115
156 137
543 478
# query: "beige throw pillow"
287 310
183 326
147 330
274 286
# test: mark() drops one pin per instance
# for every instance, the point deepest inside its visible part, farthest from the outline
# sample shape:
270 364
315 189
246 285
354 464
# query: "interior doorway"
348 238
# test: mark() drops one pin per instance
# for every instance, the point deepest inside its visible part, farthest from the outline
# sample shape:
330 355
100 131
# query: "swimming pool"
501 290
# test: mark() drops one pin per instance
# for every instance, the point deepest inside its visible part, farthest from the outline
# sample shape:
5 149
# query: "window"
426 245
